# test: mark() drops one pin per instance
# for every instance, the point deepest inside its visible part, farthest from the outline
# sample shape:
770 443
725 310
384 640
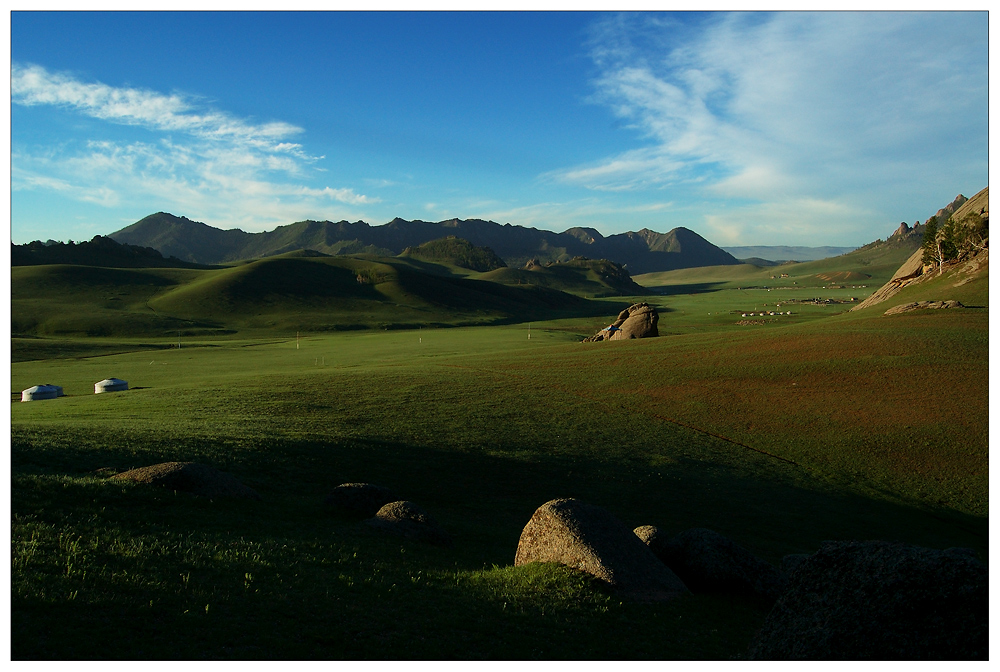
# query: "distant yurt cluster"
47 391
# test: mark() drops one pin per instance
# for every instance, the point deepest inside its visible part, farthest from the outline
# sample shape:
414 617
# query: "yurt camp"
110 385
39 392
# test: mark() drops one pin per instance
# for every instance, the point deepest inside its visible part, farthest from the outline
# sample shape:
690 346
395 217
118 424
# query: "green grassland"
780 432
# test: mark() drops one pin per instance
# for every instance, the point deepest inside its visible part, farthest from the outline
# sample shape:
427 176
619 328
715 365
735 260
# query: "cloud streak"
816 109
34 85
207 162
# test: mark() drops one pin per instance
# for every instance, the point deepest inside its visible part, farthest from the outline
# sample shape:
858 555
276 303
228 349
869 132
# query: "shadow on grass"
767 505
156 574
691 288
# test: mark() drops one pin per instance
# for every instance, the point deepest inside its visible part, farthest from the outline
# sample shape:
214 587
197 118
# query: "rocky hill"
965 225
641 251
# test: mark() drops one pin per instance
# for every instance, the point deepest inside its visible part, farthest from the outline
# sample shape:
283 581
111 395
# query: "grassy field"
779 432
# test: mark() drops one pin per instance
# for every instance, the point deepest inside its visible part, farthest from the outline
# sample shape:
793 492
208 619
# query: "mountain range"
643 251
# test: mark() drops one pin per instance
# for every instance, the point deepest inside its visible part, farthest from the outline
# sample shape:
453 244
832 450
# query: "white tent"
110 385
39 392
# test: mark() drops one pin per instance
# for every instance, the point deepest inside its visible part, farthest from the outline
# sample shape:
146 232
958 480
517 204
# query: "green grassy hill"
84 300
456 252
292 292
581 276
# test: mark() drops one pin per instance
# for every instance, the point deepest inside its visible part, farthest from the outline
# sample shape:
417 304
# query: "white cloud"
204 163
792 107
34 85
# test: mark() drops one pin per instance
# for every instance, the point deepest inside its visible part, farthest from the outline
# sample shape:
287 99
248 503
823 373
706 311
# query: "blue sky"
751 129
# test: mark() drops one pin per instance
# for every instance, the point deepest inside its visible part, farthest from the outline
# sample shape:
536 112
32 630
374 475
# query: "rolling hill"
641 252
290 292
581 276
457 252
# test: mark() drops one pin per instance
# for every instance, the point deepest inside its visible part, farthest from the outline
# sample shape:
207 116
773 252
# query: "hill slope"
581 276
642 252
457 252
289 292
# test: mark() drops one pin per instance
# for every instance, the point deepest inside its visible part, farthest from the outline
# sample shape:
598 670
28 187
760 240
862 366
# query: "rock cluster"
408 520
592 540
637 321
878 600
920 305
362 499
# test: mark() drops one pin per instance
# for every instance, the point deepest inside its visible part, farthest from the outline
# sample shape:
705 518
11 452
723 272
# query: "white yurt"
110 385
39 392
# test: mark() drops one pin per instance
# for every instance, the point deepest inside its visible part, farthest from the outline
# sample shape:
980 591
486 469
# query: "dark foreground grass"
115 572
480 427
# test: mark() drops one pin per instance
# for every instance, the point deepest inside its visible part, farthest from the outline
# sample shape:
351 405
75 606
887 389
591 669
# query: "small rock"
410 521
193 477
363 499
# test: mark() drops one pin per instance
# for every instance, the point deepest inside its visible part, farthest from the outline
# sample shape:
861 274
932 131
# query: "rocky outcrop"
911 269
197 479
592 540
708 562
410 521
903 230
637 321
363 499
947 211
920 305
878 600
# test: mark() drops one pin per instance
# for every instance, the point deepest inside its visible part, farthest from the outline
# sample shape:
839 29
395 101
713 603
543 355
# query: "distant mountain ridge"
101 251
786 252
641 251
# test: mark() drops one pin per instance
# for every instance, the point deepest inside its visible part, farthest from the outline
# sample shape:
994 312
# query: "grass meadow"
781 434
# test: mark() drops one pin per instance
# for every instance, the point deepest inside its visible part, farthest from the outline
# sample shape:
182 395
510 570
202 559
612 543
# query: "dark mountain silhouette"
644 251
100 251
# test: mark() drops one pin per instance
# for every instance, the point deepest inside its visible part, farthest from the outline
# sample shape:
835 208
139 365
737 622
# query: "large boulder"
363 499
408 520
637 321
877 600
193 477
591 539
708 562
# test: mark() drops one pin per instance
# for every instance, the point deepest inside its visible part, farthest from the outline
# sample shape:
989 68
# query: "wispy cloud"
204 162
790 108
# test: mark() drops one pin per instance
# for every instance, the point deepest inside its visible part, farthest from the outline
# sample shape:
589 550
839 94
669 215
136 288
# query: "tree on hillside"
973 234
932 252
946 240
